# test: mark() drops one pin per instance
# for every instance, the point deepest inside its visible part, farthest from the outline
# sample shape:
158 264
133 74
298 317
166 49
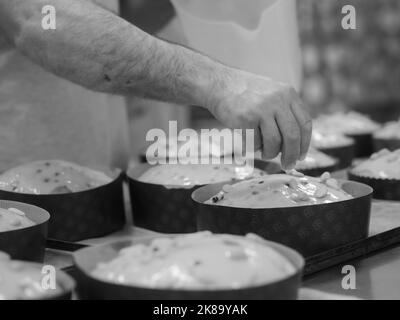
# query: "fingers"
251 144
271 138
305 124
258 140
291 139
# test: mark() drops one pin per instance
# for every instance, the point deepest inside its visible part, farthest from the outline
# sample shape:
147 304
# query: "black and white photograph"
202 155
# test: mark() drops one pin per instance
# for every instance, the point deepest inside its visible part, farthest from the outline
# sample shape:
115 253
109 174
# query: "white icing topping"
197 261
383 164
345 123
51 176
326 140
12 219
314 159
19 280
280 190
390 130
192 174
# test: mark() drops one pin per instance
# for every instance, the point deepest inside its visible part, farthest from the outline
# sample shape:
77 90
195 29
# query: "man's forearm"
99 50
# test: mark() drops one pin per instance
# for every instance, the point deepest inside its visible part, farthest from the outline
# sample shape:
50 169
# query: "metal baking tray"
384 233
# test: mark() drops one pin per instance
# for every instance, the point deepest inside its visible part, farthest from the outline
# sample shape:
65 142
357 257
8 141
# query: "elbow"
25 36
21 22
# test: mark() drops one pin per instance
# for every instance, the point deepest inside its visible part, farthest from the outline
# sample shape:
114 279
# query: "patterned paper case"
309 229
26 243
90 287
388 137
382 172
336 145
165 207
80 215
352 124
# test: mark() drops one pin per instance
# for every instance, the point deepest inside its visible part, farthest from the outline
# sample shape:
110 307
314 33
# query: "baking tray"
323 260
351 251
384 234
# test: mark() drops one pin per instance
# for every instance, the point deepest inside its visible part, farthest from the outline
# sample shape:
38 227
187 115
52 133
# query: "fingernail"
289 167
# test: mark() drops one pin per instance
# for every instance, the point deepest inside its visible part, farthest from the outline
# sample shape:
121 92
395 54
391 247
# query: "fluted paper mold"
89 287
390 144
167 209
26 243
384 189
363 144
345 155
80 215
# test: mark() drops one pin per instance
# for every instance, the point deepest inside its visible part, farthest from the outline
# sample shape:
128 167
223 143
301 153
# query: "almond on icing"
12 219
280 190
197 174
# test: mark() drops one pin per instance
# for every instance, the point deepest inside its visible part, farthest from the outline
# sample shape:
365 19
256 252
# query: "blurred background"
340 69
351 69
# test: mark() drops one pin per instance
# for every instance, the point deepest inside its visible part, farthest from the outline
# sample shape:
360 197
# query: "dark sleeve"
148 15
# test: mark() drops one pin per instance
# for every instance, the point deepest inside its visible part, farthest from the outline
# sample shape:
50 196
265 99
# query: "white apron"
260 36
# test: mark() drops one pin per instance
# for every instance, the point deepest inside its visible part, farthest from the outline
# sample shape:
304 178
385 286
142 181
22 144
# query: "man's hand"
274 110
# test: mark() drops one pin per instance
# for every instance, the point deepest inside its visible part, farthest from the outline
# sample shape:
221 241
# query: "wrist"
212 83
220 86
227 84
203 81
